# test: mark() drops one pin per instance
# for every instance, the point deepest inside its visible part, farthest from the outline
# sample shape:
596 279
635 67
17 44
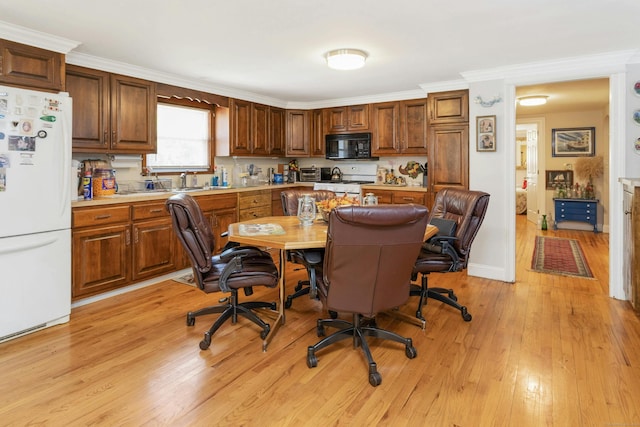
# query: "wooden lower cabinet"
117 245
386 197
253 204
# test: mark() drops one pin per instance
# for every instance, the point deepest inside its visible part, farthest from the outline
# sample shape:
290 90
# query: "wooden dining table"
285 233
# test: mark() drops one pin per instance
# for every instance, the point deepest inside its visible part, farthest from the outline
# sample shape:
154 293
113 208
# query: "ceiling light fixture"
346 59
530 101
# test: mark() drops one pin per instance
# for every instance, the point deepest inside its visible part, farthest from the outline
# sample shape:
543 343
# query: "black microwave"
349 146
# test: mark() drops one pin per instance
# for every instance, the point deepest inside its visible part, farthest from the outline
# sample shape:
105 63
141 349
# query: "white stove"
353 175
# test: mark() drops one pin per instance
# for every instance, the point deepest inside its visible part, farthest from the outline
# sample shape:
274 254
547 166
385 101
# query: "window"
184 138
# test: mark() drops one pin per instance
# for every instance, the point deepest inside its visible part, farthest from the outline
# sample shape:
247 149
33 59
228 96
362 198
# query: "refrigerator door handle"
28 246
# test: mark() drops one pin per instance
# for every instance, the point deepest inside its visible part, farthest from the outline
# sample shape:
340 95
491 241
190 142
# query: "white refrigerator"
35 210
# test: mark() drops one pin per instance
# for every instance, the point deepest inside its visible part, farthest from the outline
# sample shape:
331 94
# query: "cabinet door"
449 107
318 131
448 157
31 67
277 131
298 133
336 119
101 259
413 124
153 248
259 129
386 129
221 220
358 117
133 115
90 92
240 132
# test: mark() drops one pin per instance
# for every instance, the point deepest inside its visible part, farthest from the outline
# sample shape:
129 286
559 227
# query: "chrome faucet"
183 180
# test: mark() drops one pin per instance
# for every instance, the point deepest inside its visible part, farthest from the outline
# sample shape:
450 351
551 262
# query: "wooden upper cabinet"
353 118
31 67
259 129
111 113
386 129
298 132
399 127
133 115
277 127
317 143
413 126
448 157
240 124
449 107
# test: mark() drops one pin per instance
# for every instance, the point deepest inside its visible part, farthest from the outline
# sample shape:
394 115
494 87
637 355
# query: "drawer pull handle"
155 210
408 199
106 216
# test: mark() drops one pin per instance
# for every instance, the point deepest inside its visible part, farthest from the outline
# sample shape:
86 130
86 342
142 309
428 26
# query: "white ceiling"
274 49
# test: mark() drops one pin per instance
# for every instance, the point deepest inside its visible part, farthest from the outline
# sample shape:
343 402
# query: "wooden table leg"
281 290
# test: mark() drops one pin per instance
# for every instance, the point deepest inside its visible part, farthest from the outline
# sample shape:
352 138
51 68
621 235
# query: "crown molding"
591 65
30 37
444 86
369 99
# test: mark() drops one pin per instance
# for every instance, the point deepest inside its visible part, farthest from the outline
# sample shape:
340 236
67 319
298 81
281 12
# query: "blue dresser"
583 210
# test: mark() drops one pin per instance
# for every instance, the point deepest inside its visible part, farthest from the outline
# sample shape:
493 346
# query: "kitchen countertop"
142 197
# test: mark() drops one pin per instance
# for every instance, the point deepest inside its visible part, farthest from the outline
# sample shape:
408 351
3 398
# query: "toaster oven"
309 174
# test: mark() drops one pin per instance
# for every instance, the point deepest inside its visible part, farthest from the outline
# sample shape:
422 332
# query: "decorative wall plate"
636 146
636 88
636 117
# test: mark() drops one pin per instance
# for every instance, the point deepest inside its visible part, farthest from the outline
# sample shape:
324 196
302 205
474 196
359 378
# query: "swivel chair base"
231 311
357 331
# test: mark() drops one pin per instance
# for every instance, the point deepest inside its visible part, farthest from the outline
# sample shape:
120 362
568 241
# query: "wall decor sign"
573 142
486 133
559 179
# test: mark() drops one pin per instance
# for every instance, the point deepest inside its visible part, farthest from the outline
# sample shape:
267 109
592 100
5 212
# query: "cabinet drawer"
253 199
98 216
220 201
149 210
400 197
253 213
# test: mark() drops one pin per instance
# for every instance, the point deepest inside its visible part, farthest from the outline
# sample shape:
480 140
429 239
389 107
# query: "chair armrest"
233 266
241 251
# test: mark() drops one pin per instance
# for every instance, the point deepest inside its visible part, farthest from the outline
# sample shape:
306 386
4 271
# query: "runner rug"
559 256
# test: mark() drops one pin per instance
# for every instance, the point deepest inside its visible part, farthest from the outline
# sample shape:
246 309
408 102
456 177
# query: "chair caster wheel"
312 360
333 314
375 379
206 341
465 314
265 332
411 352
190 320
288 302
273 306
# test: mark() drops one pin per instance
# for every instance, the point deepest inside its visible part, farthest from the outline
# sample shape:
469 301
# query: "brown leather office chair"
310 258
460 213
235 268
367 267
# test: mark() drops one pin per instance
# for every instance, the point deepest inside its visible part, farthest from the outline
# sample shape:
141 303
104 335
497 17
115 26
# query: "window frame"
184 102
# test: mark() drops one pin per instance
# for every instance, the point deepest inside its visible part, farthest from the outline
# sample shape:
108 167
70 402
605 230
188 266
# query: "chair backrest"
370 254
468 209
193 230
290 199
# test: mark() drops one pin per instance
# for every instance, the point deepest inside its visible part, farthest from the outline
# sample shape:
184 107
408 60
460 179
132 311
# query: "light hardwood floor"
547 350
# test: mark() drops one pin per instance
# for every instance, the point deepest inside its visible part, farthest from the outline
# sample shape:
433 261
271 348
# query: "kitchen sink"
187 189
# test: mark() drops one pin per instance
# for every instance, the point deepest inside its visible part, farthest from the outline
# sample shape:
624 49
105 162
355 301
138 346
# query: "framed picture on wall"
486 133
555 179
573 142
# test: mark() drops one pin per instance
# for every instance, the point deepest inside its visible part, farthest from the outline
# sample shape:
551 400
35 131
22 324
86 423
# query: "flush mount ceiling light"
530 101
346 59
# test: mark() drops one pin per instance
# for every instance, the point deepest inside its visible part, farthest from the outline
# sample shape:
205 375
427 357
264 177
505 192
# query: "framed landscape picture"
573 142
486 133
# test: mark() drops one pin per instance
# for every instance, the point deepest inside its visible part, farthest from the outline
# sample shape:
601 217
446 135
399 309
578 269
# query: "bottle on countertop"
194 180
87 185
225 177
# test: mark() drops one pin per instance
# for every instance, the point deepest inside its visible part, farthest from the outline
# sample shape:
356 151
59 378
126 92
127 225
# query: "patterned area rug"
187 279
559 256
